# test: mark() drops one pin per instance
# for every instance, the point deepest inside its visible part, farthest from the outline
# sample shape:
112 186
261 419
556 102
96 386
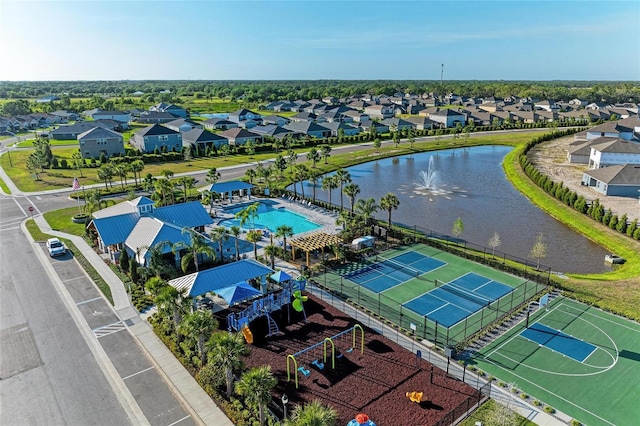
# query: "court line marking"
587 357
543 345
139 372
552 393
604 319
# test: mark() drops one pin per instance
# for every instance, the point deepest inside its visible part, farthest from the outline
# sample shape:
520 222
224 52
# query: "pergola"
316 241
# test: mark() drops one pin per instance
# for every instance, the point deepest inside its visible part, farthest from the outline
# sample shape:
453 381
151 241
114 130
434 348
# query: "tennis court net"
475 298
394 264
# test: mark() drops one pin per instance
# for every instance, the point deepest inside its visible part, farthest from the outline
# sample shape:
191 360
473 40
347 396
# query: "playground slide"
248 335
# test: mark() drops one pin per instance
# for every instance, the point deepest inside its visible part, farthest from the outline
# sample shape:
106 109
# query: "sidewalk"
184 386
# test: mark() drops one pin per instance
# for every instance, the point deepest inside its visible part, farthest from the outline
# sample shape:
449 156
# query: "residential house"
156 137
66 115
309 128
121 116
366 126
240 136
97 141
336 126
304 116
118 126
176 110
219 124
156 117
273 131
379 111
620 180
72 131
356 116
242 115
203 139
182 125
448 118
137 225
398 124
613 152
546 106
627 129
423 123
275 119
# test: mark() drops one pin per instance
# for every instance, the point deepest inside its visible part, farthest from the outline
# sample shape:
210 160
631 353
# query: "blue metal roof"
115 229
232 185
188 215
225 276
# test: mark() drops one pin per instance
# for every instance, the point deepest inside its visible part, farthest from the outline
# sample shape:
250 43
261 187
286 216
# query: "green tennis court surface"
578 359
400 285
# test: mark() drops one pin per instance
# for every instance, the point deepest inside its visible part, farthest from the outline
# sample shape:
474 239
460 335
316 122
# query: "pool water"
271 218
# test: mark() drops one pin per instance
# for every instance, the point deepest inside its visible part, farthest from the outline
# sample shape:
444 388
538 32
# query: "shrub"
574 422
502 384
537 403
524 395
549 409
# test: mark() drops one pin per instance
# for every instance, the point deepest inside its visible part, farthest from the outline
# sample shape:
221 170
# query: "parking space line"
176 422
135 374
109 329
74 278
89 301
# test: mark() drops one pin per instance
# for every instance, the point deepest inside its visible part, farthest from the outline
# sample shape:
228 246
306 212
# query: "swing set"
342 336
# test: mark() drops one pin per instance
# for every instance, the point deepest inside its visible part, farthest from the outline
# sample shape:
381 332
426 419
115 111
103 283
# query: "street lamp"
285 401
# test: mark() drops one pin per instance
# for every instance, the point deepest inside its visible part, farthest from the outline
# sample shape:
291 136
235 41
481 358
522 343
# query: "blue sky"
231 40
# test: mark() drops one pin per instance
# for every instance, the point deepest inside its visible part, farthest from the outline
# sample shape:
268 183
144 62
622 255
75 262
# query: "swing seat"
349 350
304 371
317 364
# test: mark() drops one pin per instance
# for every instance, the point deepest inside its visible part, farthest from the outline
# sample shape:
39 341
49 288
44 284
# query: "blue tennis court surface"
452 302
558 341
387 273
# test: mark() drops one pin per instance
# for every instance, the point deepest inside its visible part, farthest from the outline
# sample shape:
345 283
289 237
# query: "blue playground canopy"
281 277
238 293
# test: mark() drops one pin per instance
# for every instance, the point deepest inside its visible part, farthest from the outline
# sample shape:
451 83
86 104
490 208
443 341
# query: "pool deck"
325 218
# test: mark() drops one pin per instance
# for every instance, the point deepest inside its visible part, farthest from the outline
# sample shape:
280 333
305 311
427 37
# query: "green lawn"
484 415
601 389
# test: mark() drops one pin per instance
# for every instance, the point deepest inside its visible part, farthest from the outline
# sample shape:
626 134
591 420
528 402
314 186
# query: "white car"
55 247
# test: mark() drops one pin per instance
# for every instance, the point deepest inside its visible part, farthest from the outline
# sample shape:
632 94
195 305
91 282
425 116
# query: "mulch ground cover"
374 382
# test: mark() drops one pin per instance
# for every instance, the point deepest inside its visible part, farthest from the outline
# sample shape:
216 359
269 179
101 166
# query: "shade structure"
238 293
280 277
315 241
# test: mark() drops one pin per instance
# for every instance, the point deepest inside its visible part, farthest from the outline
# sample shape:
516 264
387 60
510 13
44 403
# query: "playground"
443 297
350 368
579 359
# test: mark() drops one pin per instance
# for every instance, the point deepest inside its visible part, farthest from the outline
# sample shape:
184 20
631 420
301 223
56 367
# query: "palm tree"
105 174
225 350
94 201
255 385
157 265
251 175
314 176
344 219
389 202
365 208
137 167
351 190
199 245
342 176
209 197
174 302
236 231
314 156
313 413
284 231
271 251
326 150
329 183
187 183
122 170
212 176
197 326
248 213
220 234
254 237
300 173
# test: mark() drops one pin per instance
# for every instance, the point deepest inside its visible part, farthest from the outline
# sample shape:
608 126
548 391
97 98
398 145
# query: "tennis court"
385 273
452 302
574 357
401 287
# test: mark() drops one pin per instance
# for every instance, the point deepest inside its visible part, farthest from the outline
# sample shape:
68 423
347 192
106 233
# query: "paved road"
49 373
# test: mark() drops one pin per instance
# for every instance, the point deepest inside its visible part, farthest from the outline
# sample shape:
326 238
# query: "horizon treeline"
268 91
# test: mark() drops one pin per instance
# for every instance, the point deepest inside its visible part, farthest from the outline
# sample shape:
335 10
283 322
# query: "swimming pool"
271 218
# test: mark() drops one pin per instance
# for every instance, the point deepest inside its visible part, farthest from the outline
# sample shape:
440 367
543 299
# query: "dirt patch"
551 159
373 382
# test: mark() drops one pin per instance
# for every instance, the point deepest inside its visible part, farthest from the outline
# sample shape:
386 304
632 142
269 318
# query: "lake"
470 184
